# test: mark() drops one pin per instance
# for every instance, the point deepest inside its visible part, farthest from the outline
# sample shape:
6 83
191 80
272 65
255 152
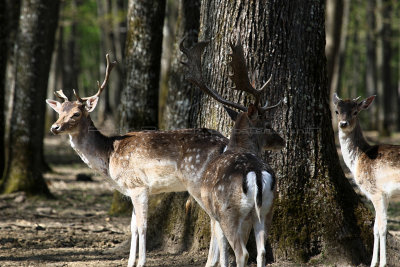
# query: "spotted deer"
137 164
237 187
376 168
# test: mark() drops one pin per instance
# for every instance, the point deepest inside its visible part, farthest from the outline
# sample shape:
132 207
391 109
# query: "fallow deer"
137 164
376 168
237 187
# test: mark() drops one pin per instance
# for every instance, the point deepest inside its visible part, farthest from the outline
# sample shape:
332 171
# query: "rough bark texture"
316 211
182 96
139 101
143 58
35 40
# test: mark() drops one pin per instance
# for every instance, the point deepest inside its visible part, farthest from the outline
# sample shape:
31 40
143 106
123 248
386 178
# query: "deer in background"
376 169
237 188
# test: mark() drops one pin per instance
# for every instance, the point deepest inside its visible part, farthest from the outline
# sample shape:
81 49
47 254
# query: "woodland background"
311 48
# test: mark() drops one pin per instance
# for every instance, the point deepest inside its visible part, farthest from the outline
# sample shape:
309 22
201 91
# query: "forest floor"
75 229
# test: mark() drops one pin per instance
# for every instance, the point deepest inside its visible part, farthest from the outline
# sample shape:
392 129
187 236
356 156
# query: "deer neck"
92 146
353 144
242 139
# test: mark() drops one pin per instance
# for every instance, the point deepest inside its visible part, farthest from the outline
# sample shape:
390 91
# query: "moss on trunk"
35 41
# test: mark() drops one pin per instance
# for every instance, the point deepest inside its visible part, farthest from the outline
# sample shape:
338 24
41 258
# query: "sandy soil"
74 229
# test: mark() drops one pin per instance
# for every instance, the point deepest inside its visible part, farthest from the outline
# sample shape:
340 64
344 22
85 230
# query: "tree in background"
35 40
181 96
387 93
3 47
139 100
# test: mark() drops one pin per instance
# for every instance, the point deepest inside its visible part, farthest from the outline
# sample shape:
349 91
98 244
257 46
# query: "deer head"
71 114
347 111
252 129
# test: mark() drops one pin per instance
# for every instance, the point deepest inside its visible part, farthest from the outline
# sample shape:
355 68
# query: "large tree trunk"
139 101
316 211
35 41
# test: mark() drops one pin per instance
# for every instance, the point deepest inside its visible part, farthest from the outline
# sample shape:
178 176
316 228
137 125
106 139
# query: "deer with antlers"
237 187
137 164
376 169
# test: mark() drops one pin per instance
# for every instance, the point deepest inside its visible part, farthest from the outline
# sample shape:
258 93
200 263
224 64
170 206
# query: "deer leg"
380 226
140 199
233 233
213 252
259 232
374 260
134 235
222 244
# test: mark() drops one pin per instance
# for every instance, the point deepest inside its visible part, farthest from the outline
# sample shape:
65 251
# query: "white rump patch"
267 180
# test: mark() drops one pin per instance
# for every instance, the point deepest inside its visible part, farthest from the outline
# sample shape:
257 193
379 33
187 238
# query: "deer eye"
77 114
355 113
337 112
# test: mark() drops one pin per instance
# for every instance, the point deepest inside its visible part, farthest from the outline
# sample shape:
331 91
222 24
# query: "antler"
195 74
103 85
60 94
240 74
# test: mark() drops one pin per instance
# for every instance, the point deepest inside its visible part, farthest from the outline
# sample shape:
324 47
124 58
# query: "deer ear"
366 102
335 99
91 103
233 114
252 111
54 105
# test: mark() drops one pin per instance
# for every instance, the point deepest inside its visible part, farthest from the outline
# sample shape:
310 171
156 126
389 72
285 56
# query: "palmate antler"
195 74
239 77
101 87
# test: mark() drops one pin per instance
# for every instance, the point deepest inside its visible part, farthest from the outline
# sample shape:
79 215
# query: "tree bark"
316 211
13 12
182 96
139 105
386 93
139 101
3 64
35 41
371 72
337 17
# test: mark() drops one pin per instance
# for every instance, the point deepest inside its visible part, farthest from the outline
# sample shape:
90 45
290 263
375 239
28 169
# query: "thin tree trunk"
182 96
35 41
371 72
3 64
385 92
143 58
13 11
139 101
